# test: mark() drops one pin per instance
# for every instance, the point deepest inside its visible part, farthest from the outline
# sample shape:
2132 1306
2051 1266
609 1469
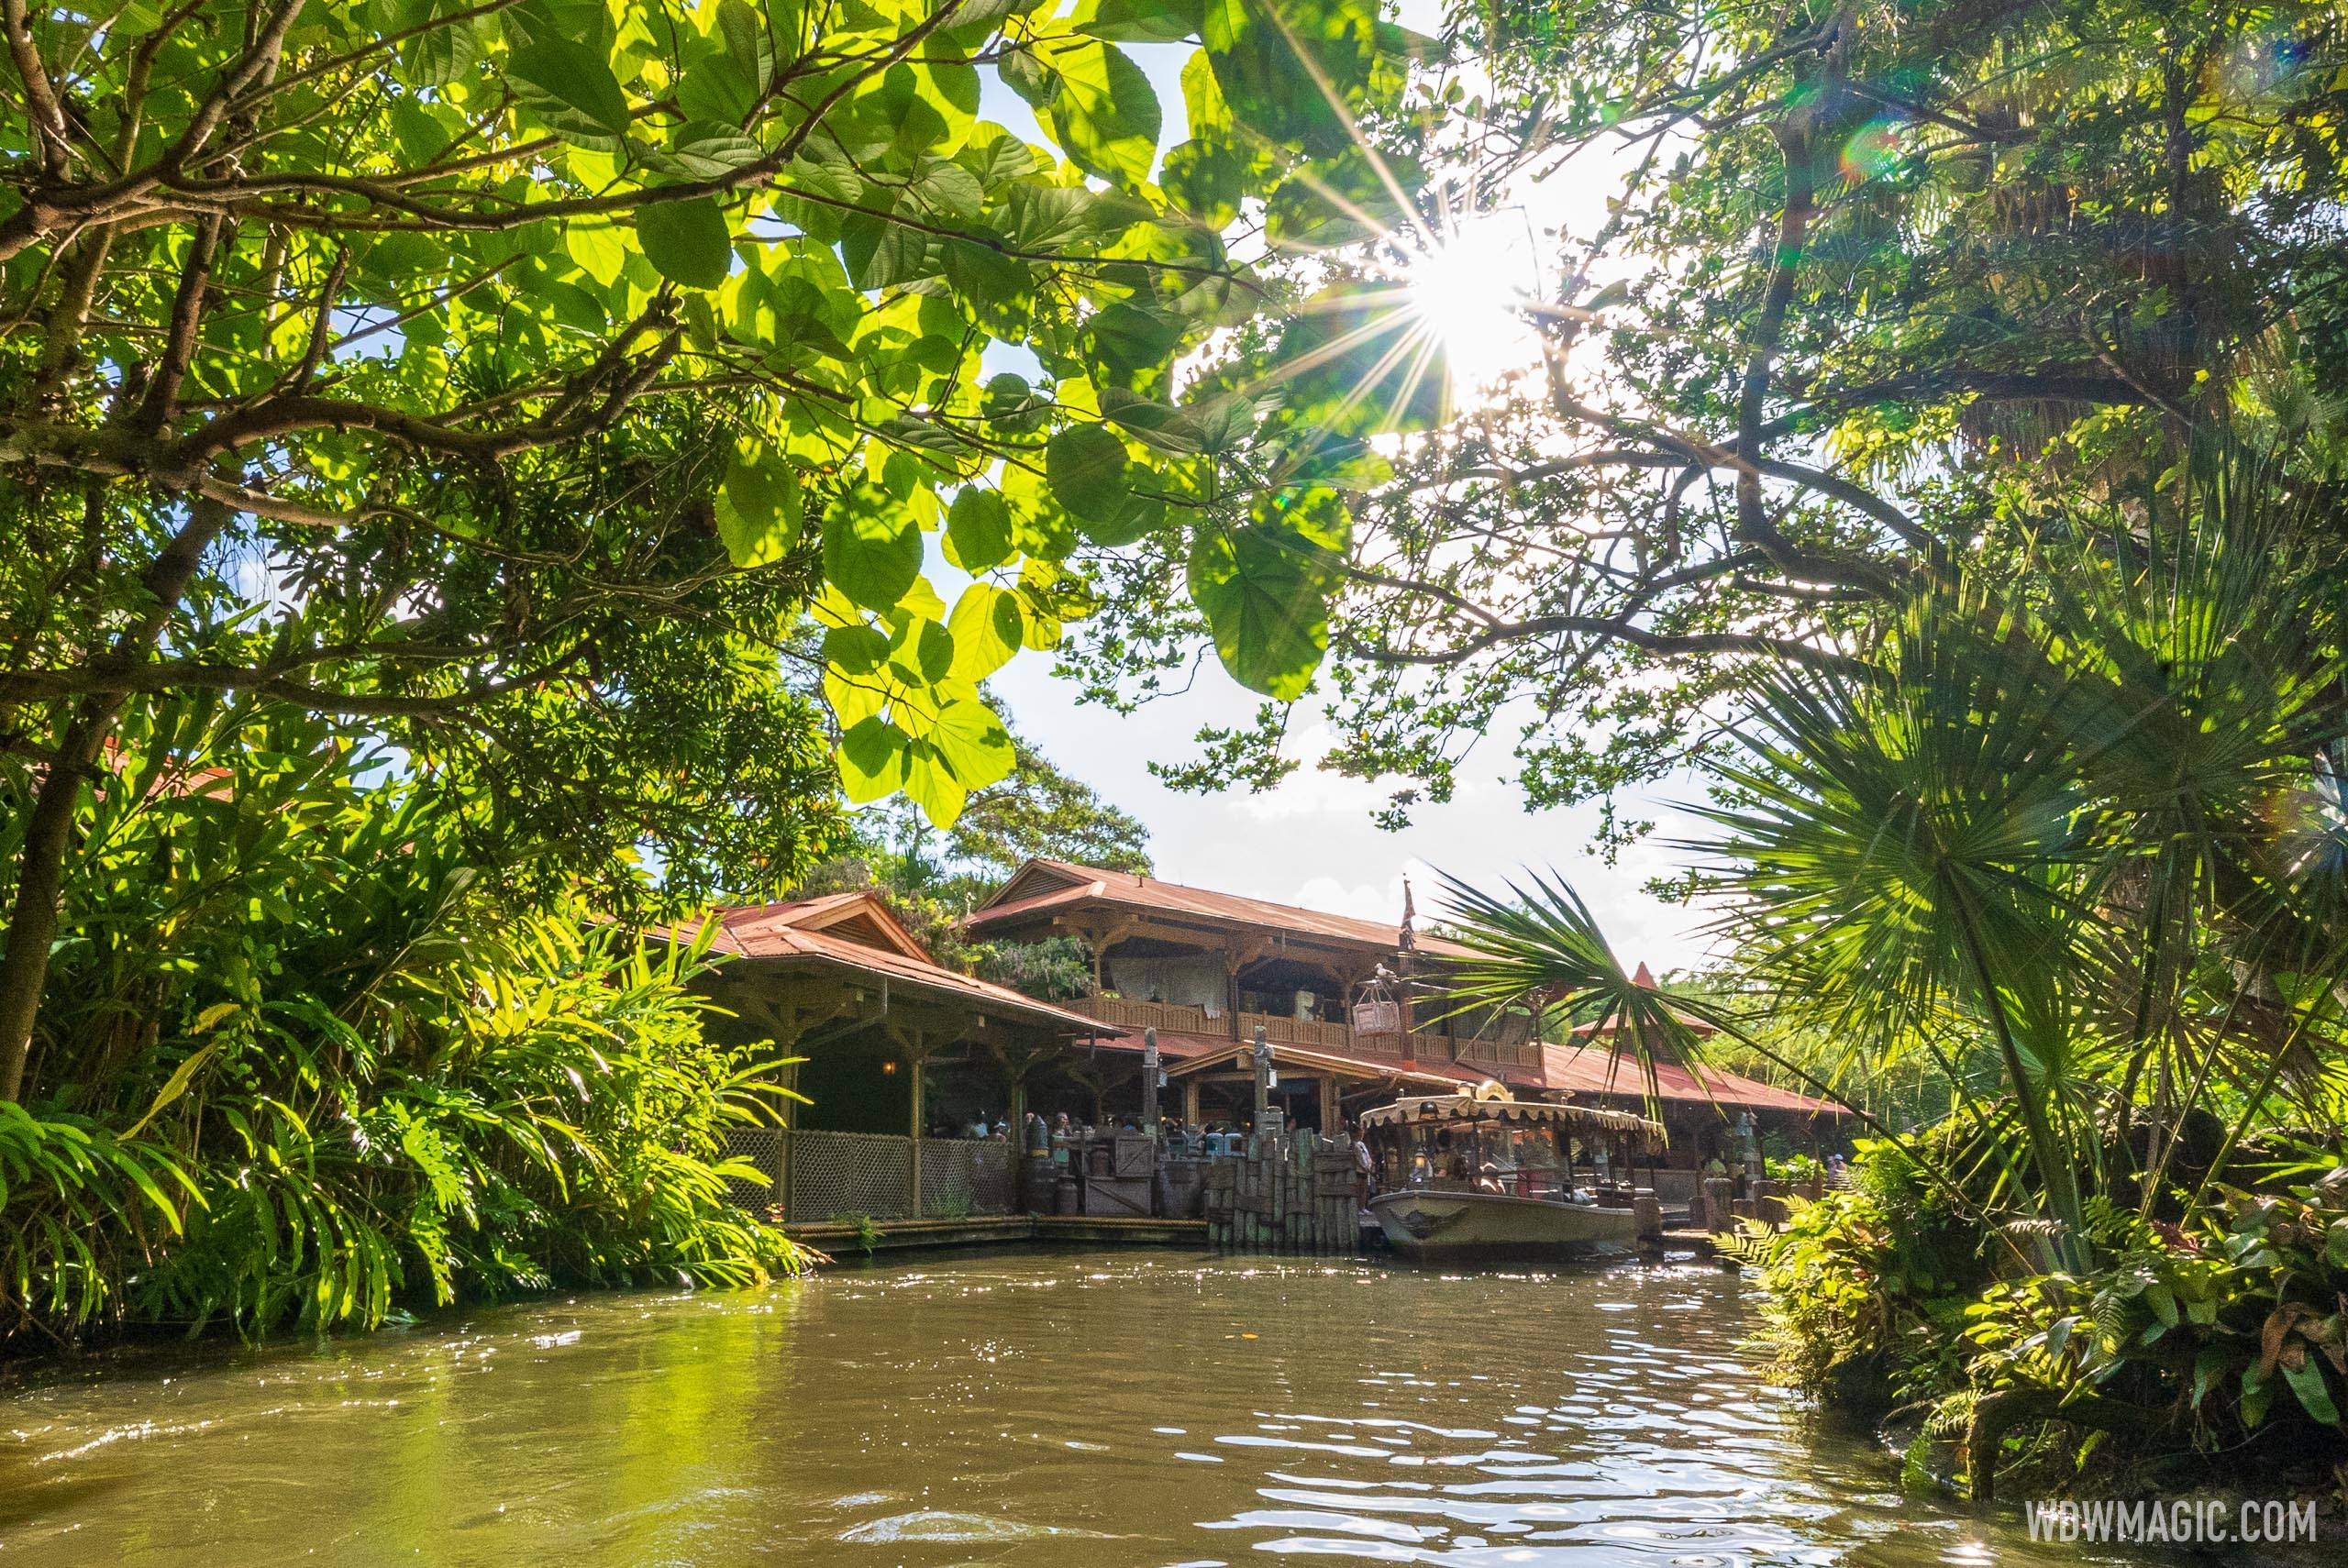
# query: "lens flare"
1873 151
1468 292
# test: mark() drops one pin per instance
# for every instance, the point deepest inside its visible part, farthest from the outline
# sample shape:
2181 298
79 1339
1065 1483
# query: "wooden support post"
918 1068
1261 1060
1190 1103
1149 1074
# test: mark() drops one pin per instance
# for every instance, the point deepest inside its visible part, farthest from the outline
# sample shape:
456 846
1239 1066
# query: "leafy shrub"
1868 1283
292 1066
1055 970
2182 1348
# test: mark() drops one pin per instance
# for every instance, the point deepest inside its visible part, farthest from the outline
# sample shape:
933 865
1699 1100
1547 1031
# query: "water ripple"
1159 1410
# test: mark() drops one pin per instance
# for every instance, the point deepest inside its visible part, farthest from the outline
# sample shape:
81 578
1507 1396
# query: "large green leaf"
923 652
873 759
436 57
687 241
988 627
1131 342
758 507
570 87
872 548
978 530
931 784
972 740
855 650
700 152
749 42
2307 1382
1256 62
1138 21
1086 466
1207 179
1106 113
1264 590
1360 360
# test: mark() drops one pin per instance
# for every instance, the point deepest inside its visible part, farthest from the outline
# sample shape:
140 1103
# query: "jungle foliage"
391 361
2072 840
1857 294
2190 1352
428 431
302 1070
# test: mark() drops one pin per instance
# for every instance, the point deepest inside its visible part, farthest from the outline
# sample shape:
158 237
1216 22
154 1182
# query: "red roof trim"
1129 891
789 931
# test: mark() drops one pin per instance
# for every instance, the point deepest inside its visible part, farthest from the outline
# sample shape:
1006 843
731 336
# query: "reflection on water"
1145 1409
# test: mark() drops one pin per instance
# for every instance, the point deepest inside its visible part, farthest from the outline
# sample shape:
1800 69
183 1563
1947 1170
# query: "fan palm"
2085 812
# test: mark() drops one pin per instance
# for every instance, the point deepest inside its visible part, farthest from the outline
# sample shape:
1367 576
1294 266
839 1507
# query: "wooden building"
1333 994
1207 969
900 1058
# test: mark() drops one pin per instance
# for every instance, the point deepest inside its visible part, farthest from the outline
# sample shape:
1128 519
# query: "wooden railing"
1391 1047
1499 1053
1312 1033
1126 1012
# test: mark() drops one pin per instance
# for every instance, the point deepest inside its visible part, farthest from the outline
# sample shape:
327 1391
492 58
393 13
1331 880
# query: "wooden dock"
1704 1243
842 1241
1287 1195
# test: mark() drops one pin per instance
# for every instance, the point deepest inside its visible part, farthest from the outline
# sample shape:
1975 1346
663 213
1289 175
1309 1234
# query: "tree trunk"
40 871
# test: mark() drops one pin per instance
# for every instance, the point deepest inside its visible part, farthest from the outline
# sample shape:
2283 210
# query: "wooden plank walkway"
838 1240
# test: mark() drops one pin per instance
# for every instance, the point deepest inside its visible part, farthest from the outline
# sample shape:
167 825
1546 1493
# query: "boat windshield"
1483 1157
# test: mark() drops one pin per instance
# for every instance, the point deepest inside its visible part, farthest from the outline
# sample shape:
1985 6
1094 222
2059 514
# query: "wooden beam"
918 1069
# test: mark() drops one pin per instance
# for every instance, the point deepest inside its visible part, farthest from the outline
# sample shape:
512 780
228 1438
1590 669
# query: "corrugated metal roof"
1584 1069
778 932
1127 889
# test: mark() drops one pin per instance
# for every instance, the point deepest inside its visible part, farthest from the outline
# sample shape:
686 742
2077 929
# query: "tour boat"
1477 1176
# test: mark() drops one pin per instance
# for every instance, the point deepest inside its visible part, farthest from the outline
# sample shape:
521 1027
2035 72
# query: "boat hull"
1423 1222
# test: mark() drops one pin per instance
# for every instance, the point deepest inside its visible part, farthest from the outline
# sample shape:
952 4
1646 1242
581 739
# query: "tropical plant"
2084 814
1541 951
2079 821
2183 1349
295 1066
1797 1167
1055 970
1867 1286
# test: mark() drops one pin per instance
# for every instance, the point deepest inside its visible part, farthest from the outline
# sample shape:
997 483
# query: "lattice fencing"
836 1176
816 1176
964 1175
764 1149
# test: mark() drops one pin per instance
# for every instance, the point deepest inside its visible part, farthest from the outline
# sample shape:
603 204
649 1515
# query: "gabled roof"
855 931
858 916
1049 886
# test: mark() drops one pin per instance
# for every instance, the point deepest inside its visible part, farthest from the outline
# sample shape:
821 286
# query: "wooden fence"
1285 1195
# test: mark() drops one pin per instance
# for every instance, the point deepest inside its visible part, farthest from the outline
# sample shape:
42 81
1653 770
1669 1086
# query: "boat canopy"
1489 1103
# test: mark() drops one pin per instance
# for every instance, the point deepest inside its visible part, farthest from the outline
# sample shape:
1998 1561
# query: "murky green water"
1138 1409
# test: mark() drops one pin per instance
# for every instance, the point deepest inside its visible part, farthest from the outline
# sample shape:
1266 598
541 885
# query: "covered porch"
904 1082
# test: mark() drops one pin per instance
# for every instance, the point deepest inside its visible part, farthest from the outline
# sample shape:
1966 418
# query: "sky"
1312 841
